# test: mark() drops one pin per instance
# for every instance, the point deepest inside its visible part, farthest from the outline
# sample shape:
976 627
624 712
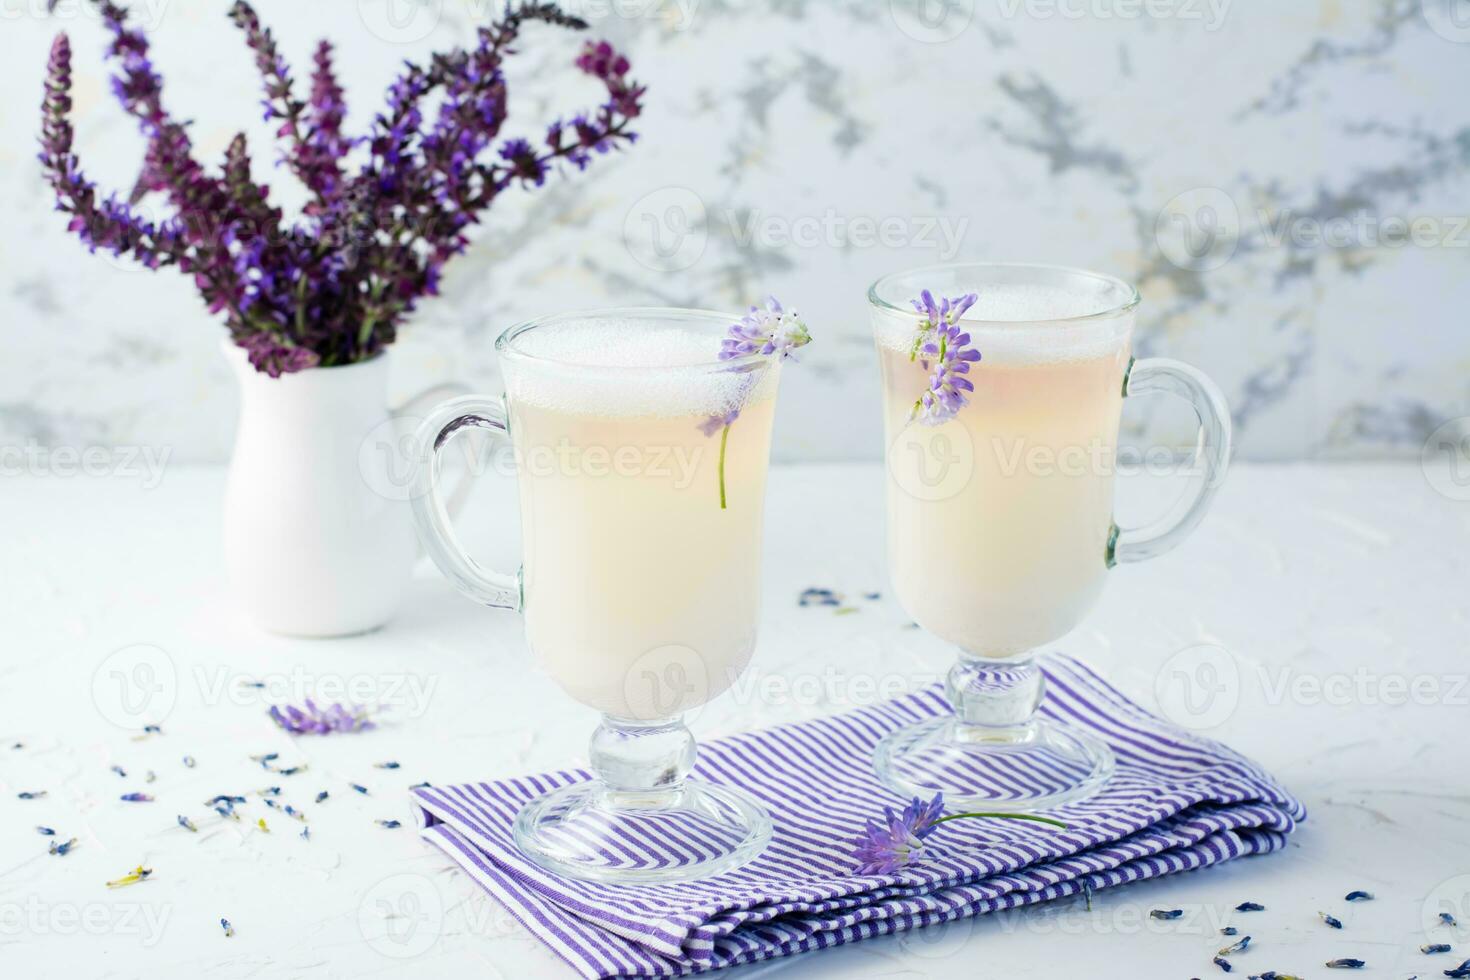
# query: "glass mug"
641 511
1000 518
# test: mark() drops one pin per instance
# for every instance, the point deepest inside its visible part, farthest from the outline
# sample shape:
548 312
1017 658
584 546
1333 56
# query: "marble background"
1253 166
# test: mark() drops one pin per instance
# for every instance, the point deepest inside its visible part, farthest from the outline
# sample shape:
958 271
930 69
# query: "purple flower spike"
768 331
945 351
891 845
312 720
333 287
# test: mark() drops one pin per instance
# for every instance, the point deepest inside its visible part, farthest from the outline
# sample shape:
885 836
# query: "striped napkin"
1176 802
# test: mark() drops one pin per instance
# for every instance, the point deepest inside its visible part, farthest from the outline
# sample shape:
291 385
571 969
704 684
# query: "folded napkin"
1176 802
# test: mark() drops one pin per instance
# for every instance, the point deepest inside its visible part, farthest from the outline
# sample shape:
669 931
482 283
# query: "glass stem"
642 764
995 700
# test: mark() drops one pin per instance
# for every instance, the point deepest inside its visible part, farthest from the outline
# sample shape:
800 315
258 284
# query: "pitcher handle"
1212 455
431 516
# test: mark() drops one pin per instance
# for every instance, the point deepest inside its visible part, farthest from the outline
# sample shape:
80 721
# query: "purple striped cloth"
1176 802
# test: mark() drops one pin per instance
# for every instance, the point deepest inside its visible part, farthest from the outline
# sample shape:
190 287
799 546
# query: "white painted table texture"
1325 607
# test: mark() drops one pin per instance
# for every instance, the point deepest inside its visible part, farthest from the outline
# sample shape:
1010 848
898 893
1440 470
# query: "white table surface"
1337 595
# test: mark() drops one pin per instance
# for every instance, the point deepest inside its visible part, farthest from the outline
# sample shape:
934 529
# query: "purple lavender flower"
893 844
886 847
311 719
944 350
332 288
761 332
772 330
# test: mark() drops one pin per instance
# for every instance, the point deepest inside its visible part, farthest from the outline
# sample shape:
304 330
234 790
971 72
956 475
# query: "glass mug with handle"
1000 511
641 461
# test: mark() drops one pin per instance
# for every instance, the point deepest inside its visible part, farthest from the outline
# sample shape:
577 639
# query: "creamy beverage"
641 591
998 519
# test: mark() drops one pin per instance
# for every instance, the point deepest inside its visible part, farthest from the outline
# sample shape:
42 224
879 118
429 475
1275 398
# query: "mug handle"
419 403
431 517
1211 455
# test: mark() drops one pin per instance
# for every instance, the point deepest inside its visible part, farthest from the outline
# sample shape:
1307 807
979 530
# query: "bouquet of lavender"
330 287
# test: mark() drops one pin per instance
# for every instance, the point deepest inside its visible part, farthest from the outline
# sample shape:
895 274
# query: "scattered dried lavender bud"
120 771
265 760
424 785
229 929
390 824
261 824
1229 931
291 811
1222 963
1330 920
270 791
1165 913
819 597
31 794
322 796
306 833
1445 919
136 798
138 874
271 803
189 762
360 789
872 596
63 849
1346 963
1358 896
1432 948
385 765
47 831
258 685
291 771
1273 975
1250 907
1236 947
1459 972
187 824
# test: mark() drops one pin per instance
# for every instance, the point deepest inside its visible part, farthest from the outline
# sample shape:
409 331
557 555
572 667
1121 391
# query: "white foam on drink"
629 367
1024 323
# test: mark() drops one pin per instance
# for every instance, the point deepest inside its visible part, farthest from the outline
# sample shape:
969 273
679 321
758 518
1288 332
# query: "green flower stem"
724 438
1003 816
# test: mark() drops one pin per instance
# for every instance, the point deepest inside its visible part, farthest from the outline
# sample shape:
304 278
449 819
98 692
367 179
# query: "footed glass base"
587 831
1013 769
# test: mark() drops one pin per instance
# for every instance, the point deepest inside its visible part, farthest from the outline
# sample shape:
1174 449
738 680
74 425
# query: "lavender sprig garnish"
332 288
310 719
770 332
888 846
944 350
